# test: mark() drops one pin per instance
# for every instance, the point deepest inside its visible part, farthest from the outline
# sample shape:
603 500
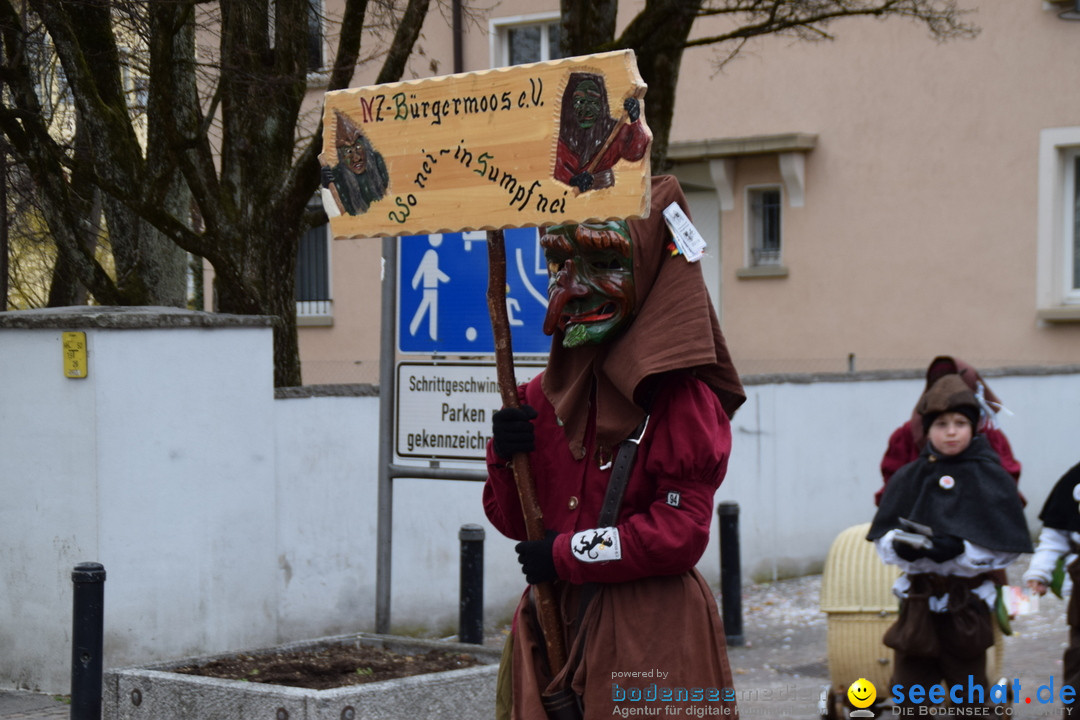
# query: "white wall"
326 454
159 465
227 519
805 459
48 506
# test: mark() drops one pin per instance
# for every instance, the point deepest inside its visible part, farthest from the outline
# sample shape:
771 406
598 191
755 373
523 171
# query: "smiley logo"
862 693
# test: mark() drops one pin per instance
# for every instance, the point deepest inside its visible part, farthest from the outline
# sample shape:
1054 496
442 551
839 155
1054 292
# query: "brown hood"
947 365
948 393
674 328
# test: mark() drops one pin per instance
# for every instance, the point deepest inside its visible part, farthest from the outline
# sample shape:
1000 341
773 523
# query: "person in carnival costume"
1055 565
948 520
907 441
636 350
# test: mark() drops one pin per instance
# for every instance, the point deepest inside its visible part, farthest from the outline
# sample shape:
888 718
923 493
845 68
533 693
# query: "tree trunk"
586 26
658 35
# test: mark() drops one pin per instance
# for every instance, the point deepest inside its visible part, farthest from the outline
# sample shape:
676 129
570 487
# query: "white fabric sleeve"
1052 545
887 553
974 560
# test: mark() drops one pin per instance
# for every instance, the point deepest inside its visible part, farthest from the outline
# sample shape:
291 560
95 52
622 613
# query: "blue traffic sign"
442 294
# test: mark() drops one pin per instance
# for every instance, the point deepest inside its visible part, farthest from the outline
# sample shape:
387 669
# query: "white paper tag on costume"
599 545
687 238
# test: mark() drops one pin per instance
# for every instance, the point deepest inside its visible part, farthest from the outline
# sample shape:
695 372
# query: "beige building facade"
869 202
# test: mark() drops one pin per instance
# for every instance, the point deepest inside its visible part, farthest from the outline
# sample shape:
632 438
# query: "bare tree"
226 138
99 141
29 250
661 32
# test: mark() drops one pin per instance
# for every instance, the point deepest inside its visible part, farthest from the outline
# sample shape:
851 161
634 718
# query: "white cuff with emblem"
599 545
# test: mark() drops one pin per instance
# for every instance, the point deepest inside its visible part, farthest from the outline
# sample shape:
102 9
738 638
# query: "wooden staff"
546 607
591 167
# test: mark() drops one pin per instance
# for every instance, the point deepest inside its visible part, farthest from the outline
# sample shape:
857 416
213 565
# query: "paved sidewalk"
782 669
23 704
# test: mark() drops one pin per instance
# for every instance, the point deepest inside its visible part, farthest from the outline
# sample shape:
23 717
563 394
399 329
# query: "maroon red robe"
654 614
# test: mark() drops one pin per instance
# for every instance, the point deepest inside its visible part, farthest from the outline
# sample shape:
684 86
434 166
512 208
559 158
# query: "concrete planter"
154 692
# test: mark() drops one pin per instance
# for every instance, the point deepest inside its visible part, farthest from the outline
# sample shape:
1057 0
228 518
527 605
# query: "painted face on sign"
352 150
587 103
355 155
590 281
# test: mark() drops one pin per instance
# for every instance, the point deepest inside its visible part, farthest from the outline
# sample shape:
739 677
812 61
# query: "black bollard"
471 616
87 639
730 572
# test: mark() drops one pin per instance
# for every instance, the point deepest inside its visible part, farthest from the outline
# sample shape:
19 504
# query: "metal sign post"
459 304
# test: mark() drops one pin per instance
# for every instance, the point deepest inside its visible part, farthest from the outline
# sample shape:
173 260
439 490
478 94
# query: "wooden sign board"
529 145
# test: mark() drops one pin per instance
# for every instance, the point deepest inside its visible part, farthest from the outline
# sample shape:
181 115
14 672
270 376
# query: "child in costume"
907 441
635 339
1059 543
948 520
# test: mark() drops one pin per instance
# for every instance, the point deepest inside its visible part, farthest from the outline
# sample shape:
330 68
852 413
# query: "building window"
528 39
313 275
1058 274
315 36
140 92
764 226
136 83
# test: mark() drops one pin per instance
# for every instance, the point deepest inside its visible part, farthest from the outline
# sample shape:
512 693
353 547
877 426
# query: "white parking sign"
444 410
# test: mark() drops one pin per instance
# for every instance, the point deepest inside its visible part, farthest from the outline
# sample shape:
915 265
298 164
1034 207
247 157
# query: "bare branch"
408 30
810 19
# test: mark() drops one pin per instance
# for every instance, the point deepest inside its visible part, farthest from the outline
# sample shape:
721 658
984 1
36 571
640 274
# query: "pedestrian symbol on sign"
429 274
442 291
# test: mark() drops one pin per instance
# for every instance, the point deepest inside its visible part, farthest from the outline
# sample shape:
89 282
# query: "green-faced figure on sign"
589 104
359 178
590 281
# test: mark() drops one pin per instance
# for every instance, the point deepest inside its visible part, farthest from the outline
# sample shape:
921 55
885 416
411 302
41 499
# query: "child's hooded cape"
968 495
1062 508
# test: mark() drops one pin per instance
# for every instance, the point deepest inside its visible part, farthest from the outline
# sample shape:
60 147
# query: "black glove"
633 109
326 175
945 547
536 559
907 551
512 431
582 181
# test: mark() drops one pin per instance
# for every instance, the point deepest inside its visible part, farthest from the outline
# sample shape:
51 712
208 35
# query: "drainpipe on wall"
459 63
